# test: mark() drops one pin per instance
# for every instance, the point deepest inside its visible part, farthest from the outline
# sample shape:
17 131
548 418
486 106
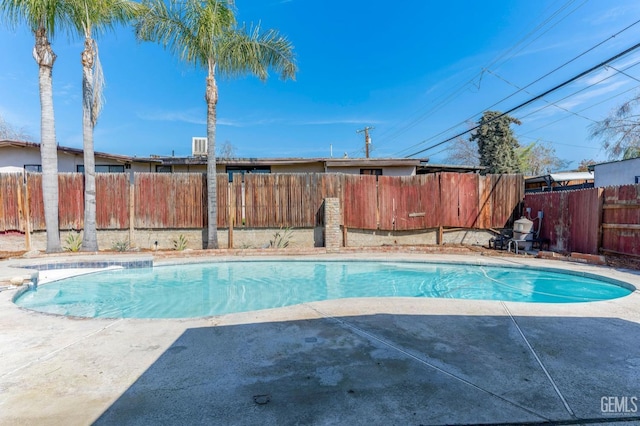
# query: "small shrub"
181 243
281 238
122 245
73 241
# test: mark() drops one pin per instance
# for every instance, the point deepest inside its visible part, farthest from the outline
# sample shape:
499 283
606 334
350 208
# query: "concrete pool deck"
356 361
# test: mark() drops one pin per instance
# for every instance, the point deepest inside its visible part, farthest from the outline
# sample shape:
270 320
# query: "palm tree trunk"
211 97
44 56
89 237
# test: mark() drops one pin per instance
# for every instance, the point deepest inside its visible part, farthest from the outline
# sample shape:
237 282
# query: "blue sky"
412 70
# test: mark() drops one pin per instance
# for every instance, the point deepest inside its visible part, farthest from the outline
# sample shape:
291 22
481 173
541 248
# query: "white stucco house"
26 156
615 173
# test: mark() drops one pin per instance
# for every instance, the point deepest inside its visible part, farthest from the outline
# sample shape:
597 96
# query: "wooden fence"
590 220
621 220
179 200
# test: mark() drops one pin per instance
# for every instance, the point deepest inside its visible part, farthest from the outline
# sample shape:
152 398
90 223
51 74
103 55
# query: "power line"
582 110
527 86
557 143
555 104
576 92
460 89
539 26
623 73
535 98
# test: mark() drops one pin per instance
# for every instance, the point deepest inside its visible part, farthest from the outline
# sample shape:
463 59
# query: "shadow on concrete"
393 369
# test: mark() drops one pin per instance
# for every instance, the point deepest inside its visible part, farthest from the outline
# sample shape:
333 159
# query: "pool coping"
31 267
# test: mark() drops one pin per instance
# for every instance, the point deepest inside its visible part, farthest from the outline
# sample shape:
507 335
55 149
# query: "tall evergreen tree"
496 143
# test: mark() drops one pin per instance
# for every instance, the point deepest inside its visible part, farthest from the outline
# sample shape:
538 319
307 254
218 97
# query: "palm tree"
44 17
204 33
94 16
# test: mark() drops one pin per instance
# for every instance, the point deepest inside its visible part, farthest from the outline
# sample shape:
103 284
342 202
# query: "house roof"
560 177
422 165
328 162
592 166
66 150
435 168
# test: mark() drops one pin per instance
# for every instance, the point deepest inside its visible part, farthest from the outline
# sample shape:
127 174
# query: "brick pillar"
332 219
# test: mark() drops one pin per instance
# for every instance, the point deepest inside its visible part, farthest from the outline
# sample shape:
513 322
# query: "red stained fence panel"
408 202
10 201
171 200
571 219
360 202
36 205
70 201
621 220
500 197
285 200
112 200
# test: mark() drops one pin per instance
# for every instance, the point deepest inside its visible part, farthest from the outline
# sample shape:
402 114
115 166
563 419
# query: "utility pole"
367 139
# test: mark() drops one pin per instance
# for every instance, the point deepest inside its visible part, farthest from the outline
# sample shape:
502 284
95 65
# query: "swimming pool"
205 289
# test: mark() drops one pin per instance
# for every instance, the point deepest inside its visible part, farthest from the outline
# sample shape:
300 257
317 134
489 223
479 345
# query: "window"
637 179
374 172
33 168
231 170
103 168
163 169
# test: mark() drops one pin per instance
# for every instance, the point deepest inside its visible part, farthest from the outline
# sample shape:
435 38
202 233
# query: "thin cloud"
546 111
190 116
611 15
609 71
67 89
593 93
193 116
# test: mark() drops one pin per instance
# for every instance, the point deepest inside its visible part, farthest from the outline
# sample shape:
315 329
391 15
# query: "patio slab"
355 361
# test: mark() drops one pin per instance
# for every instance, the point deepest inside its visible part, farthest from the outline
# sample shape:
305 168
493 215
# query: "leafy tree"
464 152
44 18
539 158
620 131
10 132
226 150
584 165
496 143
94 16
204 33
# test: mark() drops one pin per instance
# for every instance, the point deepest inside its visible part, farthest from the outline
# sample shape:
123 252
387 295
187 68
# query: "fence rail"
179 200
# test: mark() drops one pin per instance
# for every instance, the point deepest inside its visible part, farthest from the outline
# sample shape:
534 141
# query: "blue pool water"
196 290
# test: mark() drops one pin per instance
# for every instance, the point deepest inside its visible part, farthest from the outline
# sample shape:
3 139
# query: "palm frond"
95 17
252 52
52 16
188 29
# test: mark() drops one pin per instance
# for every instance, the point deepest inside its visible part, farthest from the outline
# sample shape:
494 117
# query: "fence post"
132 210
600 195
26 213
